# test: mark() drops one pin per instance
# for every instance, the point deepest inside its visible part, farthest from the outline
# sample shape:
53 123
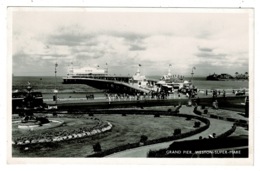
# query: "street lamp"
55 90
106 68
192 73
169 70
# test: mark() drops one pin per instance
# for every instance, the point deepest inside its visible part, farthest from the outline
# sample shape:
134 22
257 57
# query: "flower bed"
53 136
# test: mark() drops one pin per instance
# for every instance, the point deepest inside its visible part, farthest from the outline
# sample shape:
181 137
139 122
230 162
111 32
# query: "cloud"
136 48
125 39
128 36
71 36
204 35
205 49
210 55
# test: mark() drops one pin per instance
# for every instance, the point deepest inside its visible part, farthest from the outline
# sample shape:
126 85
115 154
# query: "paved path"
216 126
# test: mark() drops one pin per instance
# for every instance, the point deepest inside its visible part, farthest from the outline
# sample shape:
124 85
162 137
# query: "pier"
112 83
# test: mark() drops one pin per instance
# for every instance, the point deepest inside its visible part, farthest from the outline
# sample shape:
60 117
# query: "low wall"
227 133
238 122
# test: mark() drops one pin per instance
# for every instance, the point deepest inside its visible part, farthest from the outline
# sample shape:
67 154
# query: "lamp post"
169 70
107 68
192 73
55 90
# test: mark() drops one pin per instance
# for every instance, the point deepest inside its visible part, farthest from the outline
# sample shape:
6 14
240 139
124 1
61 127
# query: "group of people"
216 93
159 95
90 96
136 96
117 96
191 94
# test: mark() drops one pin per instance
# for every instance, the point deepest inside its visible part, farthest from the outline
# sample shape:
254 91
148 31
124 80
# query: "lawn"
126 129
69 125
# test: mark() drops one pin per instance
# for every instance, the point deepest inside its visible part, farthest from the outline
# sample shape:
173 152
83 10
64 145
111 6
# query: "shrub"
54 114
196 111
21 114
143 138
196 124
90 114
169 110
123 114
41 120
188 118
205 111
177 131
214 116
97 147
157 115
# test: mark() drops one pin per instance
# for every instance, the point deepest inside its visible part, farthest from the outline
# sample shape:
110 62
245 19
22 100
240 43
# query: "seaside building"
86 72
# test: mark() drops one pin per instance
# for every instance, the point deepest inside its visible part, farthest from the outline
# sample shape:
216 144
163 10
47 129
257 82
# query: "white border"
233 4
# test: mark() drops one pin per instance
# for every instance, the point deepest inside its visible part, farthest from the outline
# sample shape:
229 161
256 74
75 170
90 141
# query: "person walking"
109 99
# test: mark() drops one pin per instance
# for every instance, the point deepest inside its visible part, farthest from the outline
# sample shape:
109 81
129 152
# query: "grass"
69 125
126 129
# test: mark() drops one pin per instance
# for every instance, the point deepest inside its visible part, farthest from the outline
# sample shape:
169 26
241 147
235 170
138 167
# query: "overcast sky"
212 42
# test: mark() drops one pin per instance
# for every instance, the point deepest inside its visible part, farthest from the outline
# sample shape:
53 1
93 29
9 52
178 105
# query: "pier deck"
115 84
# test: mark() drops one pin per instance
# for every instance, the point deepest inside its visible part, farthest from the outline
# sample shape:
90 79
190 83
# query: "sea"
48 84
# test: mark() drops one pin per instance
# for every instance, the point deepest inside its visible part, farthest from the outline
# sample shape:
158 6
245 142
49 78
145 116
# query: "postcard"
130 85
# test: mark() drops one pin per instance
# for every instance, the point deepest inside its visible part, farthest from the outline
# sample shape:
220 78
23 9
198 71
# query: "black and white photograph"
149 83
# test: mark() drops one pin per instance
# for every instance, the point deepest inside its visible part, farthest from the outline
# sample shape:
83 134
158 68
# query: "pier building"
100 79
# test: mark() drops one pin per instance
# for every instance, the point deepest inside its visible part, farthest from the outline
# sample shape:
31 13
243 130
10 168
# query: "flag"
170 64
56 64
194 67
140 65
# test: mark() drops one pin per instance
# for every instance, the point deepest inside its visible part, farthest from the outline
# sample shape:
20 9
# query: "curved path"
216 126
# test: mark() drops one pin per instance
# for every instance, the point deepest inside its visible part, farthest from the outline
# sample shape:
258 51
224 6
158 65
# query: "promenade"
115 101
